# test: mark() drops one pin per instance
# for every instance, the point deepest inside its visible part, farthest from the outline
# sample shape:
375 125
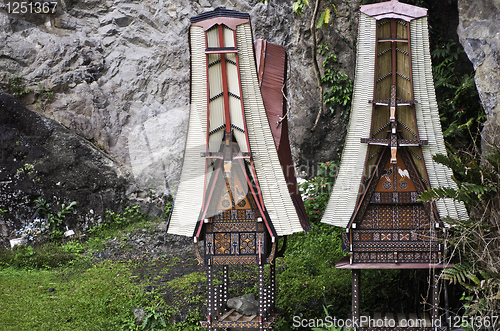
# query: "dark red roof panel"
271 70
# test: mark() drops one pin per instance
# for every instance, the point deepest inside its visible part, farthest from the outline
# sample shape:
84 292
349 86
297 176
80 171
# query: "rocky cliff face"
479 32
39 158
116 73
120 73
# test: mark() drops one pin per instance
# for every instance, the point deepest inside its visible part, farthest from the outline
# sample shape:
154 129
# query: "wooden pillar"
356 280
210 297
261 297
225 284
215 300
273 285
435 296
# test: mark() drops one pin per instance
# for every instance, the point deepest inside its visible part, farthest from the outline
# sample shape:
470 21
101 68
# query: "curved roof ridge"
393 9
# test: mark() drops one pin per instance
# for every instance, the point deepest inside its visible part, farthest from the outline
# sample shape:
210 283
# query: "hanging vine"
338 85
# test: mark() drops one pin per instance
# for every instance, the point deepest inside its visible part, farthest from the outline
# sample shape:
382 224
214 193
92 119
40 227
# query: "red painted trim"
261 207
207 202
224 80
258 199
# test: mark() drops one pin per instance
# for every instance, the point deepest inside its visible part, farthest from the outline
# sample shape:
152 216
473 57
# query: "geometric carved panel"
247 243
222 243
392 216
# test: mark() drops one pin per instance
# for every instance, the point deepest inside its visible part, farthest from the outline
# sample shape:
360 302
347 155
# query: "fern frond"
459 273
439 193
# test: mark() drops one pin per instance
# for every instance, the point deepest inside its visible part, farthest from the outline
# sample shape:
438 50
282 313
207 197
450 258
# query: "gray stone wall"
120 73
479 32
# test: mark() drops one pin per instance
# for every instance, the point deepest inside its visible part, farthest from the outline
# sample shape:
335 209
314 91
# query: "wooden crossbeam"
226 314
220 155
394 40
412 142
376 141
220 50
386 102
401 142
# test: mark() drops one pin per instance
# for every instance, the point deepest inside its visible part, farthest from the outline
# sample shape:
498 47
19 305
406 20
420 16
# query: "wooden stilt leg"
210 297
215 301
225 283
435 296
273 285
261 297
356 278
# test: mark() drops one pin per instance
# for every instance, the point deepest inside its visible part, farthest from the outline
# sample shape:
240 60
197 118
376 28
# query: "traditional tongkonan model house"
394 131
237 191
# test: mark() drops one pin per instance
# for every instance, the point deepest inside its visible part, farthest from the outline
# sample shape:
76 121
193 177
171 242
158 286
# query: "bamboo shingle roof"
352 176
242 102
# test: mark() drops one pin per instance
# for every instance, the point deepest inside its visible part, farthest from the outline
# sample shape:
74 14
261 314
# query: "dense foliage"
475 241
307 277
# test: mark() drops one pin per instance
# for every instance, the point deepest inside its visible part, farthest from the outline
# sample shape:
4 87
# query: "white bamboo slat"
346 188
272 182
235 110
428 119
190 189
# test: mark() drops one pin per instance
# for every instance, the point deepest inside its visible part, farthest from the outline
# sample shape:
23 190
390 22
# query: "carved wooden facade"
238 193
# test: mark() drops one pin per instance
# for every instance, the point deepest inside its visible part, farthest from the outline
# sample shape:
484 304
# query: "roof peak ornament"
393 9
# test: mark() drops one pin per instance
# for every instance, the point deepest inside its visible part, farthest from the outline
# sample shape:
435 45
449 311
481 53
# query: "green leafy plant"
17 86
299 5
475 241
27 170
56 220
192 321
46 256
458 99
153 319
43 95
115 220
482 289
339 86
316 191
307 277
167 209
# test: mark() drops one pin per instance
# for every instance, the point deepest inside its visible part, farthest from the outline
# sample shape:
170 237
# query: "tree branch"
315 62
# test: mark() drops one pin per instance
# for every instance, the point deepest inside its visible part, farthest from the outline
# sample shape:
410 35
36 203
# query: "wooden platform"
234 320
344 264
